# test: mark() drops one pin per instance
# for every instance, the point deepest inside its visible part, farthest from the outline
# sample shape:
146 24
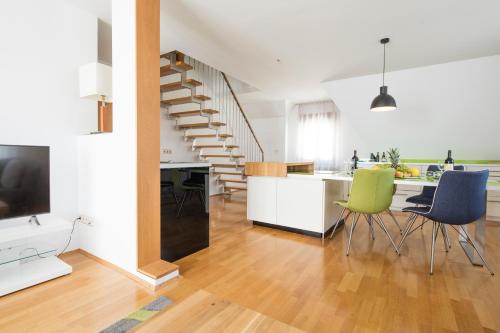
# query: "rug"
139 316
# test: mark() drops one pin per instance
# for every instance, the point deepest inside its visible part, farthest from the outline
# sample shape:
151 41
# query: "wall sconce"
96 84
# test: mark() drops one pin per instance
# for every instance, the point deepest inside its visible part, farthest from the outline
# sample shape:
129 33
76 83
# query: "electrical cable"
65 247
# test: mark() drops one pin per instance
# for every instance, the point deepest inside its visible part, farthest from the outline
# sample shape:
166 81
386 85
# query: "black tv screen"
24 180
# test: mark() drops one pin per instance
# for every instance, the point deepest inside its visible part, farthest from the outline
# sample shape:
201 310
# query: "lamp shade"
95 82
383 102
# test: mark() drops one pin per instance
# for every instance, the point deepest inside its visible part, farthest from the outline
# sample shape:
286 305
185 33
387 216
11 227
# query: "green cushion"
371 191
142 315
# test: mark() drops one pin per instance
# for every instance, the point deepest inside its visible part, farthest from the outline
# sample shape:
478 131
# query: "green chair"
371 194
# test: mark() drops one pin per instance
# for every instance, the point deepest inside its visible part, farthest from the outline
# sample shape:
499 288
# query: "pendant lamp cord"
383 71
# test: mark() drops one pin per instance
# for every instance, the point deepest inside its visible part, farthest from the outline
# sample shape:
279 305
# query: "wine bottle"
378 157
384 158
355 160
448 162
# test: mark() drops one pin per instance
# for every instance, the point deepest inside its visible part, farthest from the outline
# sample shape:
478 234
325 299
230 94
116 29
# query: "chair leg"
446 239
338 221
345 221
471 242
435 227
410 223
355 219
410 217
175 198
445 228
182 203
395 220
369 219
382 225
202 199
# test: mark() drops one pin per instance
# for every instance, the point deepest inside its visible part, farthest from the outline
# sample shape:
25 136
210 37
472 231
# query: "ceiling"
320 40
99 8
323 40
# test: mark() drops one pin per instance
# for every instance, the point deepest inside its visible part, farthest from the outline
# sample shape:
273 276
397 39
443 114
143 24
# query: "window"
317 134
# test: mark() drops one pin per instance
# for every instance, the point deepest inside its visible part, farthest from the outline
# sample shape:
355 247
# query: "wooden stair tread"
195 136
215 146
179 85
226 156
158 269
201 125
185 100
227 165
240 181
228 173
169 70
235 188
192 113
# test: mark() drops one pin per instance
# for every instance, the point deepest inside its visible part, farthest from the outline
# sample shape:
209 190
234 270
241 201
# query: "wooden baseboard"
148 286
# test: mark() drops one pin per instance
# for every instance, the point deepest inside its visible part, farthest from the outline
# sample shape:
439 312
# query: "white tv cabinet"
26 269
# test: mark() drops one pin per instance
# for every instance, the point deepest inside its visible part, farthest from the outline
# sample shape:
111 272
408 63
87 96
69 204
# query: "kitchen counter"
178 165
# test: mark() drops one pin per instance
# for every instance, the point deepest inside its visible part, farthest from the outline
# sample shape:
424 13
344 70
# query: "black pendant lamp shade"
384 101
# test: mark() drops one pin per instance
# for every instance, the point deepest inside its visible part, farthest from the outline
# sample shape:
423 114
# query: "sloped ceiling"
323 40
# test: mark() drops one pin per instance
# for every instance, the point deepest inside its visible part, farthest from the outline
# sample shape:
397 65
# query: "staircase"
206 110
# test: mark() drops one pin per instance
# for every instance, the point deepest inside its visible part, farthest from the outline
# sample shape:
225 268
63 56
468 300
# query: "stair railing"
215 85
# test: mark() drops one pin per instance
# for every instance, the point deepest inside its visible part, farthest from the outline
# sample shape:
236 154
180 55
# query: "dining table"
480 224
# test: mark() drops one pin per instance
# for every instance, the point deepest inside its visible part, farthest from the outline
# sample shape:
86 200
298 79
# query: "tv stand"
34 220
30 268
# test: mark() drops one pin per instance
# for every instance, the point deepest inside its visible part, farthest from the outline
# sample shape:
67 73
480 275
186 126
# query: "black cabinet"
184 212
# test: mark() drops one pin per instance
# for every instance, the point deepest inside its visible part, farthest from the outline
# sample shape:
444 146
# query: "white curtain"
317 134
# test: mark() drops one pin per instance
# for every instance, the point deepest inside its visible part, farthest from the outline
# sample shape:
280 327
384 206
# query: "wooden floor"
204 312
280 278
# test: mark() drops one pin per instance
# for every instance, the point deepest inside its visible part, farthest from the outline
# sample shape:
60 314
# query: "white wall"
44 43
271 134
107 162
447 106
172 144
267 118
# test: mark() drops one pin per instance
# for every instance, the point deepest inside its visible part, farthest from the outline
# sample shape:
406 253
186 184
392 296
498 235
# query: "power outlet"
86 220
167 151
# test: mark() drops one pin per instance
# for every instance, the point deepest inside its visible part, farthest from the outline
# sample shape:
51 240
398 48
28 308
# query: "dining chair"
167 186
460 199
425 199
371 194
187 189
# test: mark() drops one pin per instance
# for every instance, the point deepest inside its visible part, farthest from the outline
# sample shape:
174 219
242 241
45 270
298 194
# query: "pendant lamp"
384 101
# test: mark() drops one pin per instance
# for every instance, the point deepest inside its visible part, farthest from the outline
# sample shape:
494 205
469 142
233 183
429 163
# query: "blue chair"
425 199
460 199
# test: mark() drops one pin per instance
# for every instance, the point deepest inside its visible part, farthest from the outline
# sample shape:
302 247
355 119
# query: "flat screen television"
24 180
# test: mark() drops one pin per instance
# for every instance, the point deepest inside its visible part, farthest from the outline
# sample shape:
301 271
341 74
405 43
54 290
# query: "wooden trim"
277 169
148 131
158 269
271 169
148 286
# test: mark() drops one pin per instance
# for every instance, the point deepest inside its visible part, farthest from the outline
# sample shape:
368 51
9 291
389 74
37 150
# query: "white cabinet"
300 204
261 199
